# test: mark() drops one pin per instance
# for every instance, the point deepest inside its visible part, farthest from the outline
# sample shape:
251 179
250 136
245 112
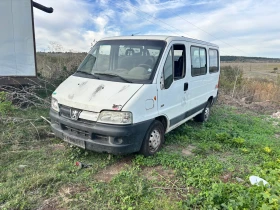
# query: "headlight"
55 105
116 117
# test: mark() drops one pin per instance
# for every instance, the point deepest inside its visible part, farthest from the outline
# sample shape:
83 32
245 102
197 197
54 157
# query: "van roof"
161 37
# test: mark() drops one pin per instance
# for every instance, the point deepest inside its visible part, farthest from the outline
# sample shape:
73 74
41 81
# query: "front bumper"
99 137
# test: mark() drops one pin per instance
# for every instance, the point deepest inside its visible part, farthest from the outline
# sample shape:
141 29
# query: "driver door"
173 86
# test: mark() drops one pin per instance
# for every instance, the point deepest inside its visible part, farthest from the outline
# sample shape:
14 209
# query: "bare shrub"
58 66
275 70
260 90
253 90
230 78
37 95
21 124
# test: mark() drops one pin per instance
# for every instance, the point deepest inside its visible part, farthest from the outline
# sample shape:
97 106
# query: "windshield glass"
123 60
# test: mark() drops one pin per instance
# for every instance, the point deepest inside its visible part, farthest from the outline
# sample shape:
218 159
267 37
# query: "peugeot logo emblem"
74 114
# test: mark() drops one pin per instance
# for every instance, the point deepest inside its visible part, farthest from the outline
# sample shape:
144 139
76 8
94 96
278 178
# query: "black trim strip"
34 40
188 113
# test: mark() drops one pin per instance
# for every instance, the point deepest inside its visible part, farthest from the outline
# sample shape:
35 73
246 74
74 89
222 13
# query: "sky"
240 27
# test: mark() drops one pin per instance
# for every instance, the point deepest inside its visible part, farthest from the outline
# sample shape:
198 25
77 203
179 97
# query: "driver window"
88 62
104 49
179 59
103 58
168 70
175 65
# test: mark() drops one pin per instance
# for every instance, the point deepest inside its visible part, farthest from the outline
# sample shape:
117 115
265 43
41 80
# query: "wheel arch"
163 119
211 100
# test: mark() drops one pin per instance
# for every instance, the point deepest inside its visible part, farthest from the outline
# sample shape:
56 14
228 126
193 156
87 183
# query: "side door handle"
186 86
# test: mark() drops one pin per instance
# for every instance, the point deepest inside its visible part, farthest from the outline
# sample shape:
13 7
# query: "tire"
204 115
153 140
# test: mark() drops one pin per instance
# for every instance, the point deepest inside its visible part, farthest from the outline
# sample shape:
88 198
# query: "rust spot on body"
123 88
71 96
97 90
83 83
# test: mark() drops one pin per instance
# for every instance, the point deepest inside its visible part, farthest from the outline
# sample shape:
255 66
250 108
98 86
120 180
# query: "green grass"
231 145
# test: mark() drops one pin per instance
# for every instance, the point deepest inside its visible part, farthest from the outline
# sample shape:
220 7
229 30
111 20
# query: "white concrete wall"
16 38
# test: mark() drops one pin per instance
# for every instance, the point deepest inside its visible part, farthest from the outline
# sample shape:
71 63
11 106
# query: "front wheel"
153 139
204 115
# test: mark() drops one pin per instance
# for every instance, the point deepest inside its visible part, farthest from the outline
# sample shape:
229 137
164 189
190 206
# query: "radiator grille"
65 111
75 131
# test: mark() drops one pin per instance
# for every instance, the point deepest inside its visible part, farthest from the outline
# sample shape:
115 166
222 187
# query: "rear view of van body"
129 91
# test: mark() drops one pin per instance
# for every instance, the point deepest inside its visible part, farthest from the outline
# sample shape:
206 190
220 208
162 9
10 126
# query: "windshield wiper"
83 72
114 75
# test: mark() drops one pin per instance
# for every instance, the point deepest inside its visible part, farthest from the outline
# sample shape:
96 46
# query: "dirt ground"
265 107
108 173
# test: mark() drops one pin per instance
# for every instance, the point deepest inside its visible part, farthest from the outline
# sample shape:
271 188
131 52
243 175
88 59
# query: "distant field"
259 70
53 65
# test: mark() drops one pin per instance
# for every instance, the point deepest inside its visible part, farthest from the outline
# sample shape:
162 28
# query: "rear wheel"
153 139
204 115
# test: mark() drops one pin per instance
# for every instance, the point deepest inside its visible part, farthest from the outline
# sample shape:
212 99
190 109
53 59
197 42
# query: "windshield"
123 60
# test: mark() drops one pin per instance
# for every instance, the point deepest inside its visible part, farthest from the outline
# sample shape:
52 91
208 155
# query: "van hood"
94 95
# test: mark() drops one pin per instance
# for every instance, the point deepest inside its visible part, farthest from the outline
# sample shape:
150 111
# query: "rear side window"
199 61
213 61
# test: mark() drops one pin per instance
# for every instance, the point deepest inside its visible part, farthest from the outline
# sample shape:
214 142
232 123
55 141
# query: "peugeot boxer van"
129 91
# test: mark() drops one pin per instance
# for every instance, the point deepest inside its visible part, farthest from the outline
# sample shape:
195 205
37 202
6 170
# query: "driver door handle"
186 86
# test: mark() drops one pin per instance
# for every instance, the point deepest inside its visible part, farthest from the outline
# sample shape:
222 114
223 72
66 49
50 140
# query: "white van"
131 90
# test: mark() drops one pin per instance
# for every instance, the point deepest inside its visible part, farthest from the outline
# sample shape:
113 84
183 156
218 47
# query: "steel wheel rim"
154 140
206 113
